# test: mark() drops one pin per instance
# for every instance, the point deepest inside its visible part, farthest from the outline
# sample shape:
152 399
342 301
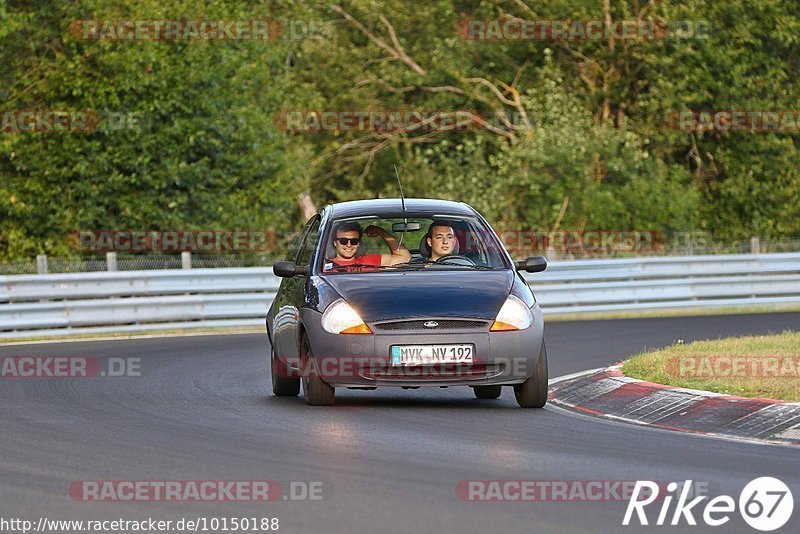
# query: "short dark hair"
347 226
440 222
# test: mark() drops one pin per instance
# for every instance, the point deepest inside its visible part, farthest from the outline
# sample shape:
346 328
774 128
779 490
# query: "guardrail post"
41 263
186 260
111 261
755 245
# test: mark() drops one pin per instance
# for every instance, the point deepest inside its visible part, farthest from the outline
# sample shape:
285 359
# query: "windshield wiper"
403 265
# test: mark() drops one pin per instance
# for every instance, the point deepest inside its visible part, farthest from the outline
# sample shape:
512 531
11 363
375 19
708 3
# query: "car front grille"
442 324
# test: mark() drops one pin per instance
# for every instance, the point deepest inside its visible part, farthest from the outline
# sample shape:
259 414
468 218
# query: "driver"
347 237
441 239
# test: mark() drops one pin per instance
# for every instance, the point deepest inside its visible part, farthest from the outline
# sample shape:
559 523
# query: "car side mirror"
531 264
288 269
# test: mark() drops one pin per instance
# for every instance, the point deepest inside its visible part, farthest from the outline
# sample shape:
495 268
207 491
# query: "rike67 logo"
765 504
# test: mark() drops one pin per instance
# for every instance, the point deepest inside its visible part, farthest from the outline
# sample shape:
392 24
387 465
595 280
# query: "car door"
291 295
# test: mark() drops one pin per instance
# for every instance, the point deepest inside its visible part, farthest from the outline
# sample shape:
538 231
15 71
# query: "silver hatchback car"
415 293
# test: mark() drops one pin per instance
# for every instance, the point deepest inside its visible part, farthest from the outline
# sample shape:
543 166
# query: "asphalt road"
389 460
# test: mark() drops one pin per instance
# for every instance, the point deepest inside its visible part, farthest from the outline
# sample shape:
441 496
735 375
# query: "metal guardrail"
138 301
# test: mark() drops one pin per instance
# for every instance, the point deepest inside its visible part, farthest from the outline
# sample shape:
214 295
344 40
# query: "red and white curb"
610 394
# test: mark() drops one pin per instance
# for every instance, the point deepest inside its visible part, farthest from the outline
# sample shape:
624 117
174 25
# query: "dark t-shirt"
353 264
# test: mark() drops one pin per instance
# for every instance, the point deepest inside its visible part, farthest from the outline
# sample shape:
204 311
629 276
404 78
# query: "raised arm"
398 253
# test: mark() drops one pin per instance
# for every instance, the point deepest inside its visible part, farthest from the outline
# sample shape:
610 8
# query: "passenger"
346 241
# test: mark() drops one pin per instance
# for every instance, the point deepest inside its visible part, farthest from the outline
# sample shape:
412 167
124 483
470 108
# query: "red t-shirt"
353 264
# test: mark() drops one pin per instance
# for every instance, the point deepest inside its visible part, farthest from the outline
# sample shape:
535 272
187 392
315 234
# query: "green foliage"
201 153
205 151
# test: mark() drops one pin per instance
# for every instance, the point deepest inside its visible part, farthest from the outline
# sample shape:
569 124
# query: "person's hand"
374 231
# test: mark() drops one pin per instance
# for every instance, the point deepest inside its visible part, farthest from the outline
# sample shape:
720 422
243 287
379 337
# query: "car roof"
384 206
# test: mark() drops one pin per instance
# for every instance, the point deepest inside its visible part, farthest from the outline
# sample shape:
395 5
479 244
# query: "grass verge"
755 366
680 312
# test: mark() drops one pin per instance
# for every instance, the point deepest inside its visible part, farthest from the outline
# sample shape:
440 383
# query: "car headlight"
514 315
341 318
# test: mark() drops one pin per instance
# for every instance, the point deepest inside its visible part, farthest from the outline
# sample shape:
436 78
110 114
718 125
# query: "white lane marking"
129 338
790 433
587 392
554 381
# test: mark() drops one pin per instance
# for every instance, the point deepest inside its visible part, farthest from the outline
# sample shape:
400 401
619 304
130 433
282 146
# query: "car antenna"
402 198
402 203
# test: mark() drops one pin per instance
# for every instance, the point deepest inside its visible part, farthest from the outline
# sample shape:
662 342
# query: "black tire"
316 391
533 392
282 384
487 392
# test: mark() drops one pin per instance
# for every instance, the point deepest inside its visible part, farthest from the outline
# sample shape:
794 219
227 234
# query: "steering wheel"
460 260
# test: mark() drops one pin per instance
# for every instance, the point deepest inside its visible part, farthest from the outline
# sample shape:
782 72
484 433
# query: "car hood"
382 296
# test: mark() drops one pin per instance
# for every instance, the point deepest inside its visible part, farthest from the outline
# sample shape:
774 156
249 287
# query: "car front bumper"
363 360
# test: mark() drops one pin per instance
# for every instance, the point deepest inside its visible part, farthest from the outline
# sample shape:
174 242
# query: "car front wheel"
533 392
316 391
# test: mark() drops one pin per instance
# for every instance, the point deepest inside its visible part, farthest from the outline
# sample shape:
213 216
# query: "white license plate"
431 354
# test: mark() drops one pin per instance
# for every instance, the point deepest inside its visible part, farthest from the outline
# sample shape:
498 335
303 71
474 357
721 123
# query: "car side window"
294 248
309 242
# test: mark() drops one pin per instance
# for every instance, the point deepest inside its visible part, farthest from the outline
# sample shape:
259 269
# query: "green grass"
756 366
678 312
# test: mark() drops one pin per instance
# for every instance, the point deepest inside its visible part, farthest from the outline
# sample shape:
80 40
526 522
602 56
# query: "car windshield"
380 244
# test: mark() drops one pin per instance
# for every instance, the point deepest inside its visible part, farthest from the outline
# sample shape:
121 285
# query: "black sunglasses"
348 240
